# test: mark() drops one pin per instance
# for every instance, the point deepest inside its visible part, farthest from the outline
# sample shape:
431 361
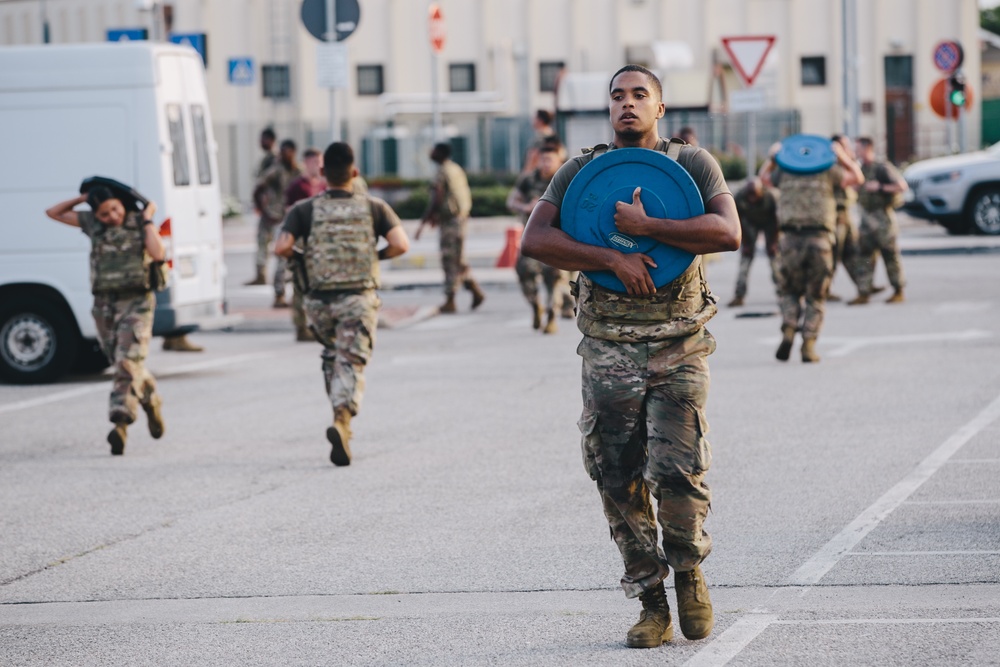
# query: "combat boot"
550 326
736 302
694 607
897 297
477 294
833 298
304 335
785 349
448 307
117 438
279 301
180 344
339 436
154 416
536 316
860 300
260 279
654 626
809 350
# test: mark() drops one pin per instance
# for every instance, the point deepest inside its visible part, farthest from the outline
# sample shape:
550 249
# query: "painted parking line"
923 553
841 346
889 621
102 387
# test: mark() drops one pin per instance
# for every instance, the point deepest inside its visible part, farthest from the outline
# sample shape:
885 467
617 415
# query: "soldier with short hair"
270 193
124 245
881 194
265 223
645 367
449 208
807 222
522 199
309 184
758 208
339 231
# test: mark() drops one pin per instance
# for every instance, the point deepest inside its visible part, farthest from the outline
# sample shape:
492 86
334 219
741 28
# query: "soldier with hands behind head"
124 245
645 367
339 231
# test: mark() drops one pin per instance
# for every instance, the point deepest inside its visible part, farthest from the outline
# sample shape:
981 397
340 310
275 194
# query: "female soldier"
124 245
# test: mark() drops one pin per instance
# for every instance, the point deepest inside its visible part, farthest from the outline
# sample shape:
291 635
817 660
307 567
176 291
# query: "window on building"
178 141
201 144
548 74
814 71
462 78
277 81
370 80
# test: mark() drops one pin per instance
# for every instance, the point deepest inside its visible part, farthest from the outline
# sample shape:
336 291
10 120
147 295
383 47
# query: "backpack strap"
674 147
595 151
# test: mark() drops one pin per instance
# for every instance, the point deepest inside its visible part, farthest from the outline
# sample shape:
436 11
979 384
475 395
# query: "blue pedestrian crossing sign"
127 34
241 71
196 40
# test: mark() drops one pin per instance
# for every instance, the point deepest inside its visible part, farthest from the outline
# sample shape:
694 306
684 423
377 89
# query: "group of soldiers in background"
808 229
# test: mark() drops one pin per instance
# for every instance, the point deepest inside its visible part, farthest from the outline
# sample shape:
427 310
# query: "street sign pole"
331 36
435 30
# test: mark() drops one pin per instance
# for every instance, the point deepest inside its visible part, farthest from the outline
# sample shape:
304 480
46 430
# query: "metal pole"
852 107
435 103
752 144
331 37
46 33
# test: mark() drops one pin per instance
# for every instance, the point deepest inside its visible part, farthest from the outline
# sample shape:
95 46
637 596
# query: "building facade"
502 59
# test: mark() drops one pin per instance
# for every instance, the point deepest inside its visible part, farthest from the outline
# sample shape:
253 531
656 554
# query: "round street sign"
348 14
939 93
435 28
948 56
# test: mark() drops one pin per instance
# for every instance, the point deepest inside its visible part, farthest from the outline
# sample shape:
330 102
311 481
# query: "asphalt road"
856 509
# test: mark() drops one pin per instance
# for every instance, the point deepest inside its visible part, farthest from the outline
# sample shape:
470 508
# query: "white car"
960 192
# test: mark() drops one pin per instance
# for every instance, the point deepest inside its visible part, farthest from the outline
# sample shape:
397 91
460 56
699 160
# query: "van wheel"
38 342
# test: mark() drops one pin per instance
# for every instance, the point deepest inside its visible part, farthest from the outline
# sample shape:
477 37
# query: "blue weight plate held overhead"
668 191
806 154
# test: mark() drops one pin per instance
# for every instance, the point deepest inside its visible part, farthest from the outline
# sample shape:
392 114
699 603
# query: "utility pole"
849 46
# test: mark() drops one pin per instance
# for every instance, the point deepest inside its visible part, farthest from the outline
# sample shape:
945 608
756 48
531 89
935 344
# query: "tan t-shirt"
698 162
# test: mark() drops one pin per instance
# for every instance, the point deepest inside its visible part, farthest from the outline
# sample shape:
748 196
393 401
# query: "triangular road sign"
747 54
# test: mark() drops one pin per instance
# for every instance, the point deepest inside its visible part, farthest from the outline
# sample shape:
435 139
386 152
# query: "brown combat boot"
180 344
154 416
694 607
260 279
860 300
654 626
809 350
785 349
833 298
339 436
736 302
536 316
897 297
448 307
117 438
477 294
550 325
279 301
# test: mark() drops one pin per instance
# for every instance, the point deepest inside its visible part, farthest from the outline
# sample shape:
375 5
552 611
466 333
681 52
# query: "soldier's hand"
631 270
631 218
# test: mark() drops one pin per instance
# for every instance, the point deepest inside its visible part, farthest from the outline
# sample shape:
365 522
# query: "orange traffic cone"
508 257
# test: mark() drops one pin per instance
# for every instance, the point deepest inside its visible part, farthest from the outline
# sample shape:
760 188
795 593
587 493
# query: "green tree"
989 19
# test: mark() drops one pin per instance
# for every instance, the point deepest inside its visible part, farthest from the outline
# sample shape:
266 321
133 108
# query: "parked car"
960 192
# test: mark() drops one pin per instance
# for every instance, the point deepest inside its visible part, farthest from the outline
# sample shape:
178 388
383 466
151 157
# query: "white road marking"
844 346
952 502
102 387
731 642
923 553
887 621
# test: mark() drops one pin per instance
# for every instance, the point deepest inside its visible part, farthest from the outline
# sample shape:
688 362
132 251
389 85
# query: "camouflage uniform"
758 217
452 214
529 270
123 309
265 224
879 229
845 250
644 384
272 184
807 218
341 265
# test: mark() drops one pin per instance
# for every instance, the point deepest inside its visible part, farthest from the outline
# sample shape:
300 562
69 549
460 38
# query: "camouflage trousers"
452 243
265 235
845 250
643 434
879 235
806 270
124 326
345 323
748 249
556 281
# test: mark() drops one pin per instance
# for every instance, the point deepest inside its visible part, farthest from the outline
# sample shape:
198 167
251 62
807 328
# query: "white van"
136 112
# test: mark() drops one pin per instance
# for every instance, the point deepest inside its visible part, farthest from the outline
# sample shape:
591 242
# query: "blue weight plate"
805 154
668 191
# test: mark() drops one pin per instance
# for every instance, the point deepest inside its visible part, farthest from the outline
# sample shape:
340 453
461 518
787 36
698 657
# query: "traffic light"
956 93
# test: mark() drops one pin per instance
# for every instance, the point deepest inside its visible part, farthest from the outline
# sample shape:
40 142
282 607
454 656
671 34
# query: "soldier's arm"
894 183
716 230
153 242
437 196
283 246
397 243
516 203
544 241
63 211
853 176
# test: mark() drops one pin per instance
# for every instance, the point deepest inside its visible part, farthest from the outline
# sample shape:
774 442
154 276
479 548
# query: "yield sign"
747 54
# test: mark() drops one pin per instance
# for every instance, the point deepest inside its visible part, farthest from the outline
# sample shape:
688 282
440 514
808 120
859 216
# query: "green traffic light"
957 98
